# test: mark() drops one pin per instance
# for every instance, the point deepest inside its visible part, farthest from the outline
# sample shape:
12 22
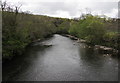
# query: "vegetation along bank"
19 29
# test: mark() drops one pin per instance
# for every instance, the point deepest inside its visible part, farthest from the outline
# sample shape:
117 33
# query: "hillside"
21 29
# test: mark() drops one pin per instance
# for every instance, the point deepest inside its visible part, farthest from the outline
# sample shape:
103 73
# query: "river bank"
104 49
65 60
6 60
108 51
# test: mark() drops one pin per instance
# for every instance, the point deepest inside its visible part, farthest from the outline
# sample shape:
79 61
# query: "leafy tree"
91 28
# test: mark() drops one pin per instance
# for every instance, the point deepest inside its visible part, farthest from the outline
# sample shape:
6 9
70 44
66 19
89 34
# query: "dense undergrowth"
21 29
96 30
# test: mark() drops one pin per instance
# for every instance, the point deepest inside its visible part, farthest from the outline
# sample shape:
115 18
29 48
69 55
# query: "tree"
17 8
3 5
91 28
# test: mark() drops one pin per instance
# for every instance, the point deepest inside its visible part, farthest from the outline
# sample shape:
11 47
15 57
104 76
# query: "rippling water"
65 60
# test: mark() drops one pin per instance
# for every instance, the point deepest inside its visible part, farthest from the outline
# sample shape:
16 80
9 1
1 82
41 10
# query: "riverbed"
63 60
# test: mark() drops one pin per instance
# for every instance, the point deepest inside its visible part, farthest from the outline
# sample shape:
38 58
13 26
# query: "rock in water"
47 45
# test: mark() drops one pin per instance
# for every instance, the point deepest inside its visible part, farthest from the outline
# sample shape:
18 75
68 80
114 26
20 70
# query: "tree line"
19 29
96 30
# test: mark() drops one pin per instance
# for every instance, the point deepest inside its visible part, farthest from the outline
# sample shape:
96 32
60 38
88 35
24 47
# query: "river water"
65 60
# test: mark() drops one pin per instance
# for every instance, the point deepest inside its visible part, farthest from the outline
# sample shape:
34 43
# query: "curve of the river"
65 60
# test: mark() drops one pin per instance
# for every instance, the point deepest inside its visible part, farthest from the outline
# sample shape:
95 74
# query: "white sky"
68 8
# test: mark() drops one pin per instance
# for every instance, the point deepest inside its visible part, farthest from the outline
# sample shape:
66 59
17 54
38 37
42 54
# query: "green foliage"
91 28
74 28
21 29
110 35
111 39
95 30
64 26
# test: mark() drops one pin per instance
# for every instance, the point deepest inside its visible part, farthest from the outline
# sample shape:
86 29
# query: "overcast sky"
68 8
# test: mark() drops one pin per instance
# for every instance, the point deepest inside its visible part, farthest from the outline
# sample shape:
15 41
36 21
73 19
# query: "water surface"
65 60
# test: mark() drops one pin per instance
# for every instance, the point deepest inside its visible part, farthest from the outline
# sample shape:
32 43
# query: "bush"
21 29
91 28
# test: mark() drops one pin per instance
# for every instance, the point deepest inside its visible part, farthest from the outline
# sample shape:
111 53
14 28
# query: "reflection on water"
65 60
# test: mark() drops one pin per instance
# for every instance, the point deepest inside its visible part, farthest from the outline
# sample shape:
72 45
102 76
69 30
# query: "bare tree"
17 8
27 12
6 7
10 8
3 5
88 10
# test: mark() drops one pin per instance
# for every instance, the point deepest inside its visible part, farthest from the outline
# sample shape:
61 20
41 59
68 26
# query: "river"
65 60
